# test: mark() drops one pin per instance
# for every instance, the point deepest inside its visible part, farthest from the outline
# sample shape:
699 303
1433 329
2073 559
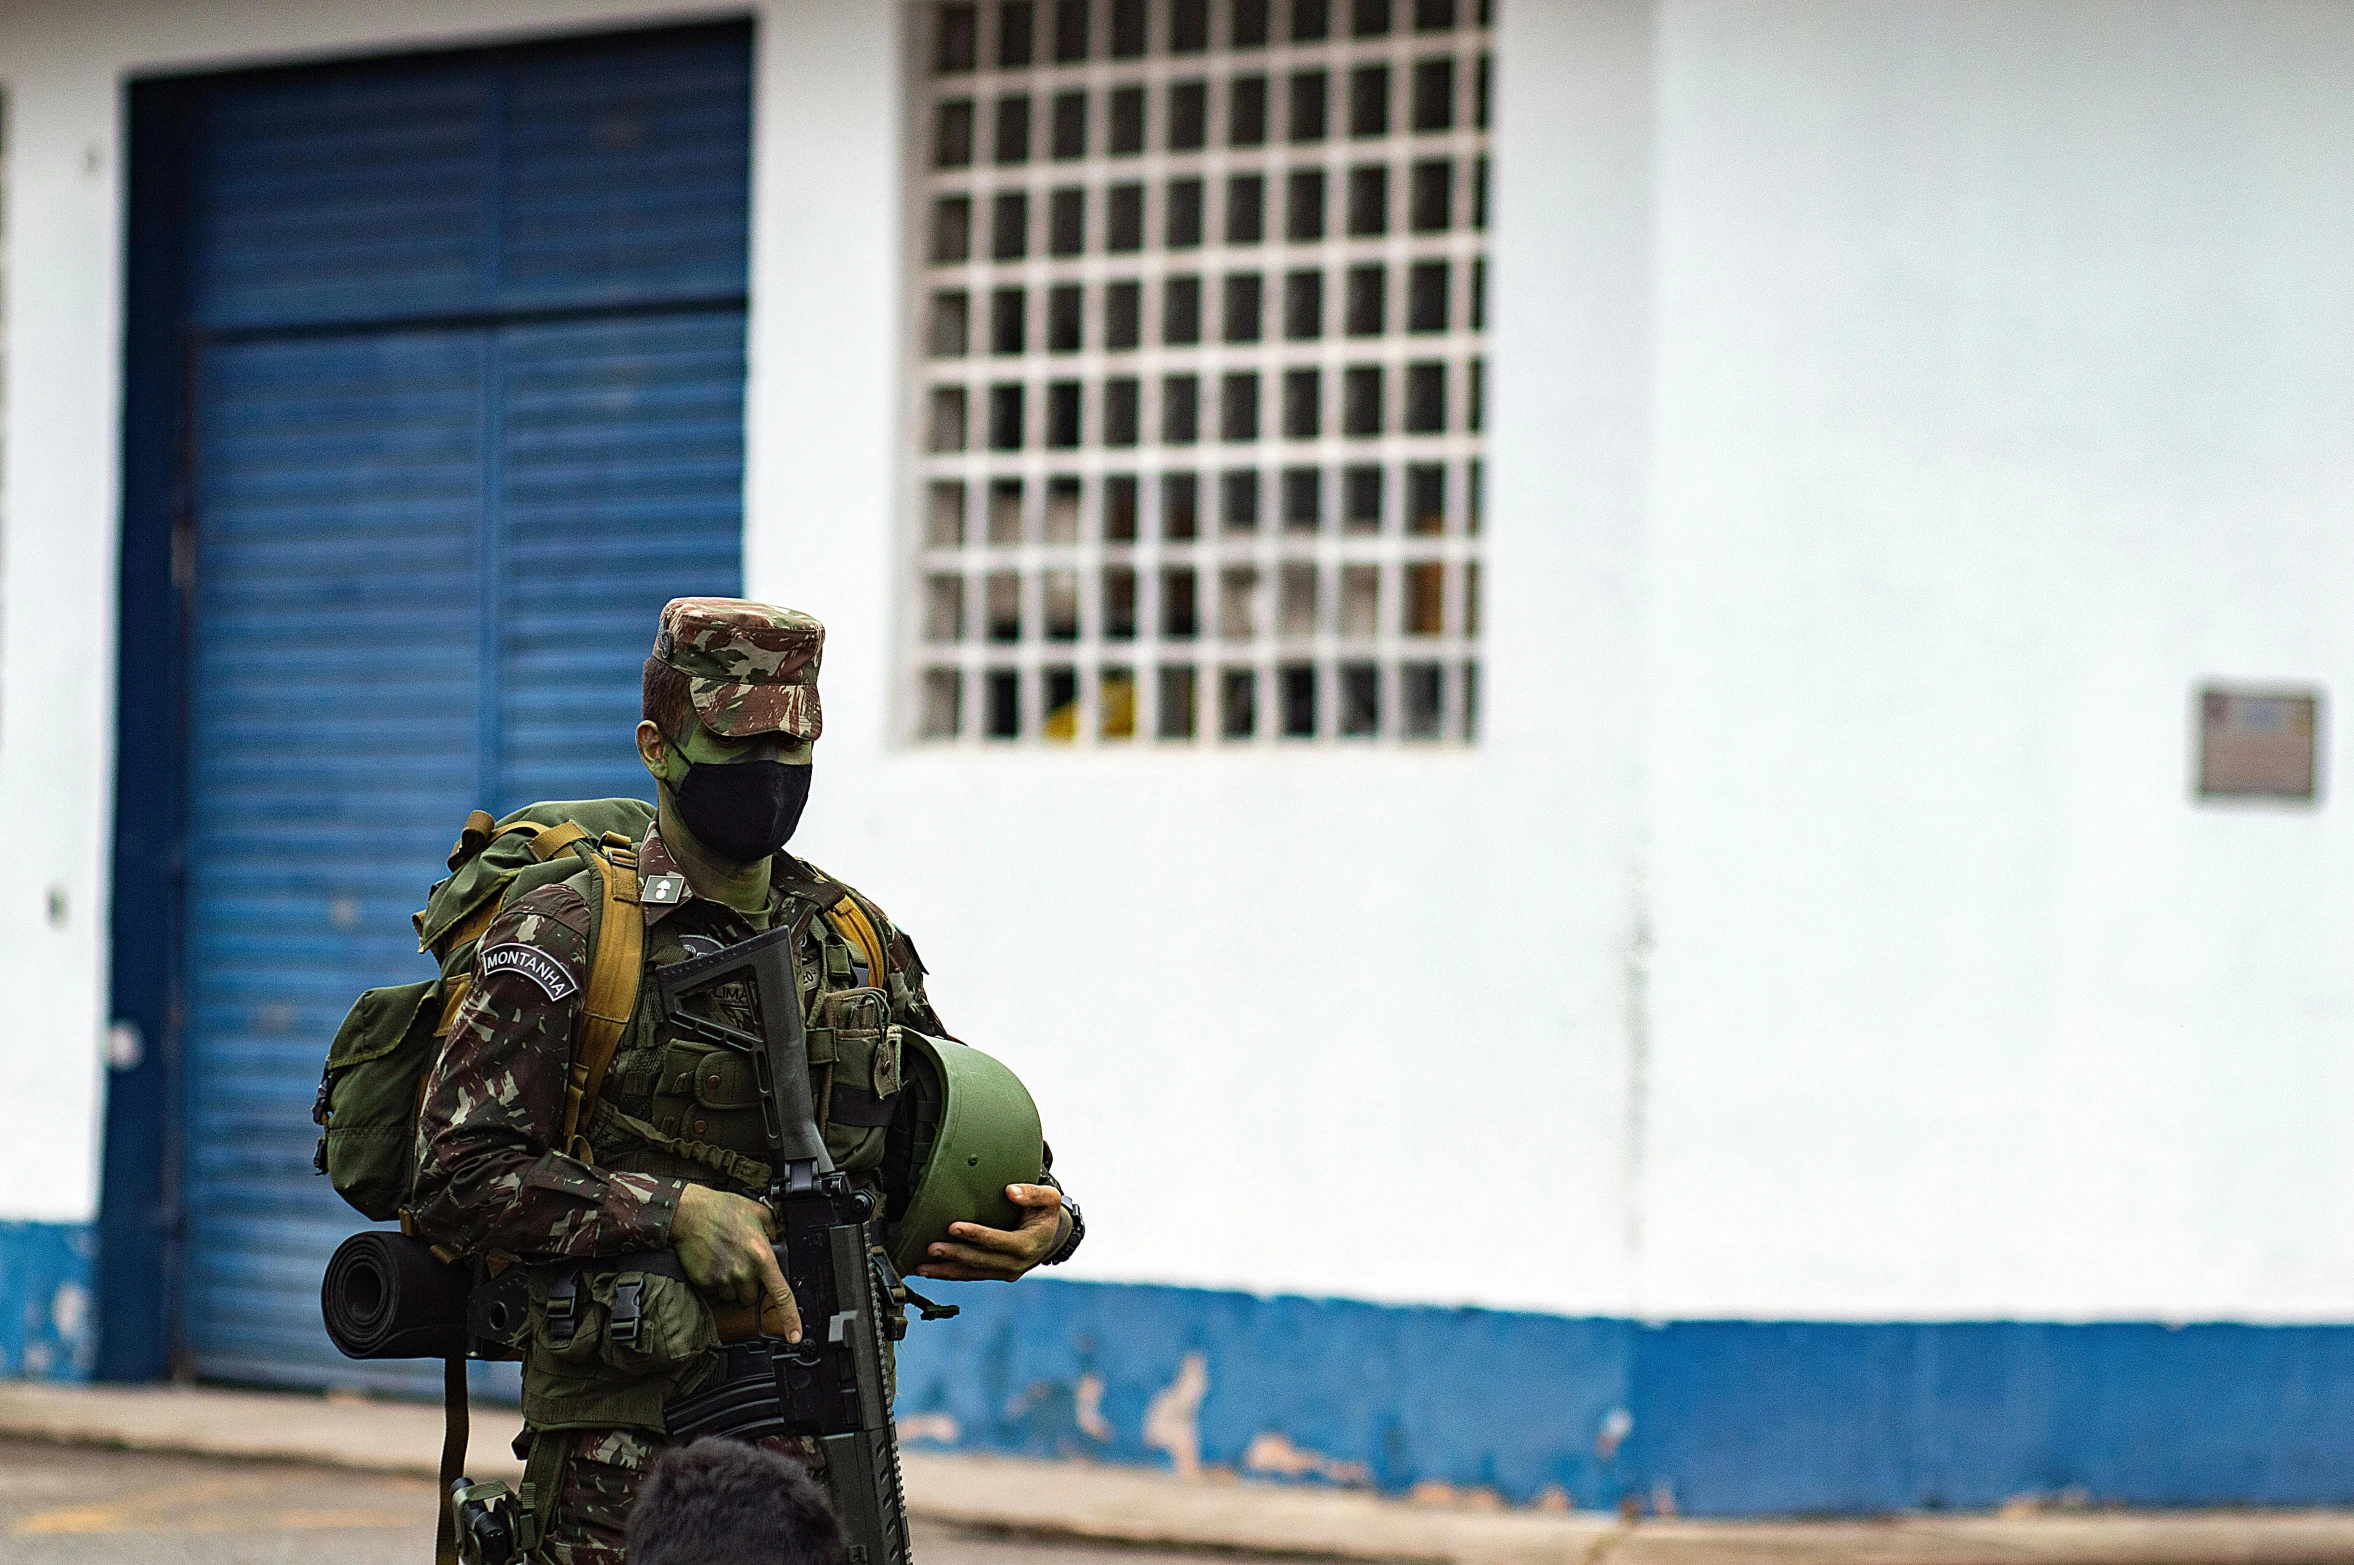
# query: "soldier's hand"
726 1243
973 1253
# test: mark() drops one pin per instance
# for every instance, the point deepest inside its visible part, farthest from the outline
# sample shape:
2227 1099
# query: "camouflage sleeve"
489 1173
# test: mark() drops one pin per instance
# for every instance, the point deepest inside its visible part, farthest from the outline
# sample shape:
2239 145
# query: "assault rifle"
829 1387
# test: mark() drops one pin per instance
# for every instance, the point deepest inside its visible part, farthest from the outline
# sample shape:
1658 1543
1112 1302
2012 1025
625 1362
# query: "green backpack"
387 1047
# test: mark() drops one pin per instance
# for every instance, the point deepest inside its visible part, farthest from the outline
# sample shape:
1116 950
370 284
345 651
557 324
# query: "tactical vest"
613 1339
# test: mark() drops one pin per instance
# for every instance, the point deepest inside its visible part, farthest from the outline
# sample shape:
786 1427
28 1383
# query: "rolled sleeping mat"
388 1296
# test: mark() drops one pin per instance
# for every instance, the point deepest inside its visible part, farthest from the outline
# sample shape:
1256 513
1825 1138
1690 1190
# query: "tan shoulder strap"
849 918
615 968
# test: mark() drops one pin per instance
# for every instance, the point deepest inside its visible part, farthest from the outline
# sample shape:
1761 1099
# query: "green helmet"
967 1131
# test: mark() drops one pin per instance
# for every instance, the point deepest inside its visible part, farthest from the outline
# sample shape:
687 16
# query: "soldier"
648 1218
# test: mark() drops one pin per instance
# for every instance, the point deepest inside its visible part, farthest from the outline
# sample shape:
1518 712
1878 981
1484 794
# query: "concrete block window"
1197 305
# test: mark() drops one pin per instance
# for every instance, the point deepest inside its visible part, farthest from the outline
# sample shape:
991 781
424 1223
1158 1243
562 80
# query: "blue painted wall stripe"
47 1329
1721 1417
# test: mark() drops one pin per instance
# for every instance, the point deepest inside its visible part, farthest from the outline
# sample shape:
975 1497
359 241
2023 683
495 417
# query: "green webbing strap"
453 1457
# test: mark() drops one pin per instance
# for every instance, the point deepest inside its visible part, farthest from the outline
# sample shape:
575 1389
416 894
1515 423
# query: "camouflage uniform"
492 1179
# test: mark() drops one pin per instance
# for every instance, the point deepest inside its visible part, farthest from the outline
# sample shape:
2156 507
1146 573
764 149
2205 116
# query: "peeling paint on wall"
46 1330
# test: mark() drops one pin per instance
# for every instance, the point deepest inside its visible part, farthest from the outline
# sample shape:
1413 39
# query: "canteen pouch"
611 1339
366 1109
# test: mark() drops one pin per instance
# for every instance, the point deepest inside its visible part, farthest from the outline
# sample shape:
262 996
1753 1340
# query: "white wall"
2004 369
1897 409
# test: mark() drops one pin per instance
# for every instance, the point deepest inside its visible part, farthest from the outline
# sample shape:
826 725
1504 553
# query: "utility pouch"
857 1092
366 1109
632 1315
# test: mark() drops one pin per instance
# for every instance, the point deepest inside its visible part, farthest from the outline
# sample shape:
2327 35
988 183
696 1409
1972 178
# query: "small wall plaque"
2259 744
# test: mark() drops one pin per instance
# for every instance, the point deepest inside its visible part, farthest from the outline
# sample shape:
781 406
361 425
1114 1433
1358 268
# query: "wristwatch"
1070 1245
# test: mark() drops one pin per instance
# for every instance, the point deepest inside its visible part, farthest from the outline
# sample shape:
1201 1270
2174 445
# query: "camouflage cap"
751 667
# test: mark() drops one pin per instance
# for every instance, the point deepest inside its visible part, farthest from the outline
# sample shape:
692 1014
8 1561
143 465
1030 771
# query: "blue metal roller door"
467 407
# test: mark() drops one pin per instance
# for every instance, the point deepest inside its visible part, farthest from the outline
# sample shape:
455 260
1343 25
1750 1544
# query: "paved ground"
67 1505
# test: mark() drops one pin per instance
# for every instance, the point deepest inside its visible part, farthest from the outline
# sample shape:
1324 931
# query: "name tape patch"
553 978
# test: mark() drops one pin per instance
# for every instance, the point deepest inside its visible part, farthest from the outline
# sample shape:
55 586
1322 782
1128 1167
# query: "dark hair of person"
716 1502
669 700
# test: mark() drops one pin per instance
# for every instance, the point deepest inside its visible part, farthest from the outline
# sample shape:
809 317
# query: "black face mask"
744 811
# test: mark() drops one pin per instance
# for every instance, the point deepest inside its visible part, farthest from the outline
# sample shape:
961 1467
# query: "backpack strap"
849 916
615 967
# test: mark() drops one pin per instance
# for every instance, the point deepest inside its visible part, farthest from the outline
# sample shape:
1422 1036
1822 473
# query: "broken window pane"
1115 703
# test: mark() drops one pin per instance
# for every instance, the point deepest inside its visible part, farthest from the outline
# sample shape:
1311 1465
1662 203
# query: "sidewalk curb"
1063 1502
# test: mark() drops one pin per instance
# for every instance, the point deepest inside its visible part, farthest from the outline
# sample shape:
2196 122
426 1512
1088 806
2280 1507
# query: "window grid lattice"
1198 329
